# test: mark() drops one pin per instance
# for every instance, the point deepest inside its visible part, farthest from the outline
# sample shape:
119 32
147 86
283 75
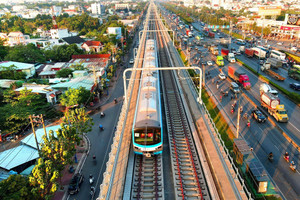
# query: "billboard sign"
293 19
269 10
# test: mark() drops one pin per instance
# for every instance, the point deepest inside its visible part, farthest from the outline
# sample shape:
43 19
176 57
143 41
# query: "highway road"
263 137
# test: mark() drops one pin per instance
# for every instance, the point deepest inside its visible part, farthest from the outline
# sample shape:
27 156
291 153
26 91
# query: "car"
209 63
258 115
279 44
295 86
131 61
222 76
293 49
76 181
238 52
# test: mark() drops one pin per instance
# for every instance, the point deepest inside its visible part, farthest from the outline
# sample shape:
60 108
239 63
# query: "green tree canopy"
75 97
44 179
27 54
16 187
62 53
11 73
64 73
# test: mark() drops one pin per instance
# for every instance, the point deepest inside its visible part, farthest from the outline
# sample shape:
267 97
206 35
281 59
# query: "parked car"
209 63
295 86
258 116
222 76
74 186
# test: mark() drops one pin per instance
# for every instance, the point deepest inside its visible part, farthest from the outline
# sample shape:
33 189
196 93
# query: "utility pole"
230 31
37 144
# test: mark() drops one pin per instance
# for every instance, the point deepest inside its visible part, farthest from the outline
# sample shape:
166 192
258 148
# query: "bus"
278 55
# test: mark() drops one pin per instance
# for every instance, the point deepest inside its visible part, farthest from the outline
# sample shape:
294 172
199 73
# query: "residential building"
97 9
115 31
49 71
44 90
59 33
28 69
16 38
92 46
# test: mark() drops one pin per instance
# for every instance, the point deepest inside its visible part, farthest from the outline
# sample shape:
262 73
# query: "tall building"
96 8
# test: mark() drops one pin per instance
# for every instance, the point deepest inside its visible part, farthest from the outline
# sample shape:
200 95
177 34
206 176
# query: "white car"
131 61
209 63
222 76
293 49
279 43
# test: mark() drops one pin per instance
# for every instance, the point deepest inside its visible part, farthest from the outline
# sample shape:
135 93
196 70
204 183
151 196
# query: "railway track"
189 181
148 175
147 178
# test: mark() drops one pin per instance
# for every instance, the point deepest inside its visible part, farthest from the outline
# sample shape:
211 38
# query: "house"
24 156
74 40
90 61
16 38
49 71
44 90
59 33
28 69
86 82
115 31
92 46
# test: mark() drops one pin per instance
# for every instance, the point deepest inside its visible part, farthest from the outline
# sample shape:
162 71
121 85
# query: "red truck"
211 35
249 52
224 52
239 76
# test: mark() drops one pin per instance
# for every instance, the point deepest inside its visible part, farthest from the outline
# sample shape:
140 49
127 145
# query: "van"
234 87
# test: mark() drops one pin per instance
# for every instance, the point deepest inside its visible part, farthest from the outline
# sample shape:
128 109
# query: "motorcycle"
293 166
116 101
286 158
92 192
101 128
102 114
271 158
91 179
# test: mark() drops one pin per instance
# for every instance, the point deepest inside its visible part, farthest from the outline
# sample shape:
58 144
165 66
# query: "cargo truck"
220 61
224 53
249 53
231 57
259 52
264 87
275 63
242 48
224 42
267 69
239 76
272 104
211 35
214 50
294 72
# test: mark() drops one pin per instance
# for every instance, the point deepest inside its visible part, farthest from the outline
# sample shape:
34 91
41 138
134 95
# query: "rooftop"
19 65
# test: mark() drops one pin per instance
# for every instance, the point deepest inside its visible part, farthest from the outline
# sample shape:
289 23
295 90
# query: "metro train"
147 131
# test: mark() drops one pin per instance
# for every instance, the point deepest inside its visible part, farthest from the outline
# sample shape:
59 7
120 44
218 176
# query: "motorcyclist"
248 123
94 157
270 155
101 127
92 190
286 156
115 100
91 179
293 166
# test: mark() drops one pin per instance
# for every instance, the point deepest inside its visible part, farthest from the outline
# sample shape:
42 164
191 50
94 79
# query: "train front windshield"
150 137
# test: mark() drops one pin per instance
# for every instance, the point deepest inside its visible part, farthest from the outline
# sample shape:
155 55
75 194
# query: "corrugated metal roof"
18 65
30 141
87 82
14 157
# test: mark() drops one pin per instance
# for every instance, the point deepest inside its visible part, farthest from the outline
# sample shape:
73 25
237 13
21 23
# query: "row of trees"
31 54
57 151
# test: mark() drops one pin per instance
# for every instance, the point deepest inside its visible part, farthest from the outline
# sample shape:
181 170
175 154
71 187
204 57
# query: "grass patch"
235 35
295 97
182 56
221 124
